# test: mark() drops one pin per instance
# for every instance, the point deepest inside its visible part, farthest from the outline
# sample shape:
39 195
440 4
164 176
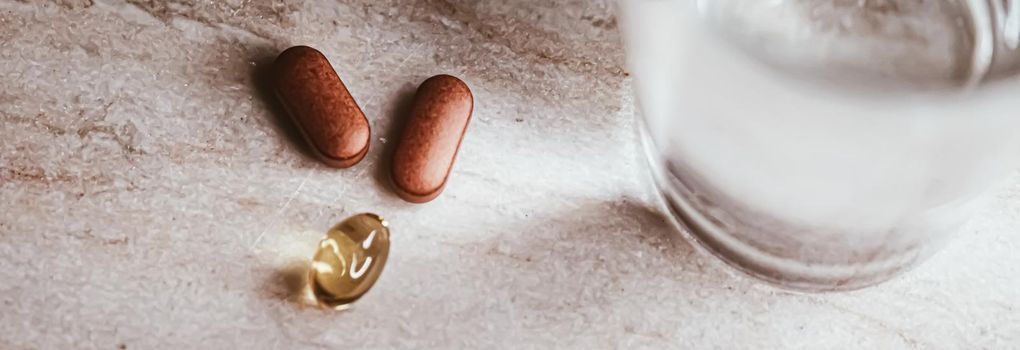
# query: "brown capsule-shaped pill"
428 146
321 106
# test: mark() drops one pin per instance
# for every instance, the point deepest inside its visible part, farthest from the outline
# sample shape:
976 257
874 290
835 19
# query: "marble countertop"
151 196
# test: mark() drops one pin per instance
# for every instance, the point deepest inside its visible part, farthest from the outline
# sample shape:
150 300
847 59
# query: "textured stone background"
150 196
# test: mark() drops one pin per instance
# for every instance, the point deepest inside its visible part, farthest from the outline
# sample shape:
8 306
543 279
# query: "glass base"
688 212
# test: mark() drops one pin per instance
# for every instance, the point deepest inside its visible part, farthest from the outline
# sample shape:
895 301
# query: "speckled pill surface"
429 144
319 103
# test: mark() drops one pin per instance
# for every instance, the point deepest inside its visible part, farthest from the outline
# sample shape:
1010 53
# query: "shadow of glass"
596 260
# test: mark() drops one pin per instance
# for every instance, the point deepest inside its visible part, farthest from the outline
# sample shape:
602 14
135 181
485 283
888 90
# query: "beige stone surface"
151 197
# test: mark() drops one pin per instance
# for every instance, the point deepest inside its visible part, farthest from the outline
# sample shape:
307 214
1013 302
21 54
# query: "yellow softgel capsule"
349 260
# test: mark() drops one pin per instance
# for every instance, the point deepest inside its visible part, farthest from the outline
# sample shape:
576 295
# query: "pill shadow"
289 283
262 79
391 132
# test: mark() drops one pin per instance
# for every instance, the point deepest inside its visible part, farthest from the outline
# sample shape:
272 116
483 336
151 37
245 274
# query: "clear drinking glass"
825 144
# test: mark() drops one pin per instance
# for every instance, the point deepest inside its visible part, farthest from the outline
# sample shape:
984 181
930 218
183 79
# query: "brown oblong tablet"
427 148
319 103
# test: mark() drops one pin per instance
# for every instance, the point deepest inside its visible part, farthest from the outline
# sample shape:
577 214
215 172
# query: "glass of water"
826 144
